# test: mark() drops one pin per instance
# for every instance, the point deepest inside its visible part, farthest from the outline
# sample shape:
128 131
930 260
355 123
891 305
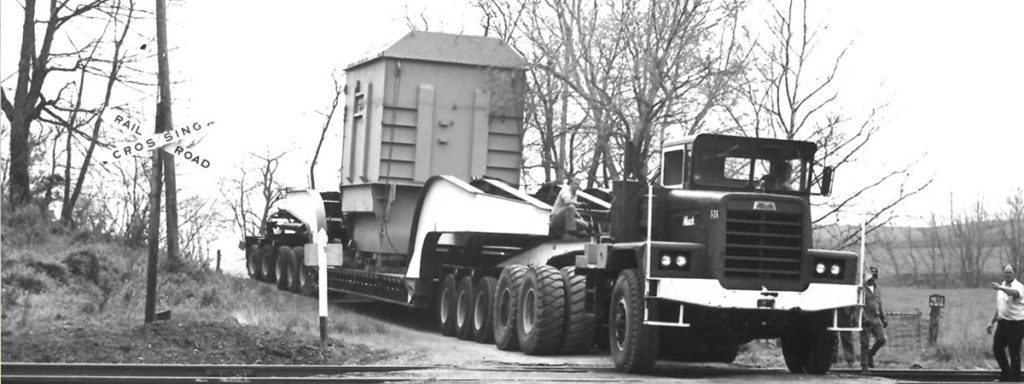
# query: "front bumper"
710 293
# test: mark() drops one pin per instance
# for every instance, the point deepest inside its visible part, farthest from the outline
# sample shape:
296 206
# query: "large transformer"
429 214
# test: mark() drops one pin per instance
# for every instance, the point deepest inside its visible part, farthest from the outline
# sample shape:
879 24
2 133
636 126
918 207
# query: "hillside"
76 297
939 256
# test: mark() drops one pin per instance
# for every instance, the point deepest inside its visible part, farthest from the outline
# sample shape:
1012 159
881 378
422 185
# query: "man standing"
874 322
1009 323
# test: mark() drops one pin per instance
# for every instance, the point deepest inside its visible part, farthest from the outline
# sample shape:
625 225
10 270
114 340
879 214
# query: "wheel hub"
529 310
619 317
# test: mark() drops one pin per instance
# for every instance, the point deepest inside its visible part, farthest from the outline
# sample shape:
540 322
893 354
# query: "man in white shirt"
1009 323
565 219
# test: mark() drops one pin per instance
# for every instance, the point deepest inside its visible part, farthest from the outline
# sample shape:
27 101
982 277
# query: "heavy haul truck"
429 214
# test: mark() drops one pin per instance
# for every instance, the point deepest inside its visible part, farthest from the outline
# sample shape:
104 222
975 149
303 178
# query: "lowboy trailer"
429 215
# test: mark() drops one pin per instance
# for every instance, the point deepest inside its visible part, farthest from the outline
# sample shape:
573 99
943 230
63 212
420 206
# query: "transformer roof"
450 48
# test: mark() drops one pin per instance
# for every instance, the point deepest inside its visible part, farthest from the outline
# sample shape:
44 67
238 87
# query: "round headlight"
681 261
666 260
835 269
820 268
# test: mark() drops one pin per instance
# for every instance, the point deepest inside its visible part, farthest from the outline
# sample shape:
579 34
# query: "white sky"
951 72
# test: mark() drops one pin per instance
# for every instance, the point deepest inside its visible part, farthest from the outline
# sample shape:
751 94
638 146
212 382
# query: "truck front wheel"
296 270
634 346
809 347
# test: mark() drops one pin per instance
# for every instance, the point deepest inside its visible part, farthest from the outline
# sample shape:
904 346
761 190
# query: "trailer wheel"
483 325
542 311
506 304
284 261
252 261
579 324
308 279
809 347
633 345
464 309
446 305
296 270
267 263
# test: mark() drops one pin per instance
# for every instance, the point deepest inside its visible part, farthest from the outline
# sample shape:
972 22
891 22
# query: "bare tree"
970 247
29 101
789 95
251 198
339 88
629 68
1011 230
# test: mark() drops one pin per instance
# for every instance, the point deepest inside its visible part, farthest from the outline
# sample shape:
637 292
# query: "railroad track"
161 373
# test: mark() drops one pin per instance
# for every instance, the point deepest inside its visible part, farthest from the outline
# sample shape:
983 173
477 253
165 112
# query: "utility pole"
163 120
166 122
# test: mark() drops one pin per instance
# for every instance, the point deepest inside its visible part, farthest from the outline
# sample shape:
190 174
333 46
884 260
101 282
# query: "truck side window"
673 168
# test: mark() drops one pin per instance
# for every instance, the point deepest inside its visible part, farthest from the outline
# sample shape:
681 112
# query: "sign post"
936 303
321 280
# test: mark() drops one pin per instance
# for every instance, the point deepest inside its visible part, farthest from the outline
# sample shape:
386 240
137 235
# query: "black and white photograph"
497 191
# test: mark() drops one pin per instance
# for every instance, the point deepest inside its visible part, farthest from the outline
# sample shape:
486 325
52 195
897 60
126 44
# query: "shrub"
25 225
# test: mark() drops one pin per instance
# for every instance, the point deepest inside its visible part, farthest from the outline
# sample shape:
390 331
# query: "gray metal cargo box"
433 104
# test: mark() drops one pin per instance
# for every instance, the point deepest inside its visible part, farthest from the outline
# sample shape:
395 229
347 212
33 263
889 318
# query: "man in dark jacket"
874 322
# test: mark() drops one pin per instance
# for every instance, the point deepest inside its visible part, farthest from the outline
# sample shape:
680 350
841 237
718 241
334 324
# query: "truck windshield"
751 164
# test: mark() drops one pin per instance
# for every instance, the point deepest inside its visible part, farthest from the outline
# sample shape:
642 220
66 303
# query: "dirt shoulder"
186 342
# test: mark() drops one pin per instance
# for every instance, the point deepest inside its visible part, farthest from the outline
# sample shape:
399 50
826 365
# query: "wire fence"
905 335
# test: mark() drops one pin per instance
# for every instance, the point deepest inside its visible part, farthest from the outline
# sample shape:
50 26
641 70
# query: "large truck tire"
634 346
284 261
541 319
809 347
464 309
445 307
483 295
579 324
296 269
252 261
267 261
506 306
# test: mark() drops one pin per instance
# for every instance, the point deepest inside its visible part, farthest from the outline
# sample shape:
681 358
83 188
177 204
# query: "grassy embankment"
53 280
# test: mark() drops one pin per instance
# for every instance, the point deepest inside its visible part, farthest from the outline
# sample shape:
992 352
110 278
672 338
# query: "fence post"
936 303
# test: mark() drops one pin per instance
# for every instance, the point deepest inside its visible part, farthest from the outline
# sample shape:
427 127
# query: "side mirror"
826 181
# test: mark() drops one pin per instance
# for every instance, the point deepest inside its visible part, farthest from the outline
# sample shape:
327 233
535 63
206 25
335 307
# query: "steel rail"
180 373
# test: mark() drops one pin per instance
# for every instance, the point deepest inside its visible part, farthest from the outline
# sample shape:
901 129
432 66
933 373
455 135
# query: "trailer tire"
252 261
483 295
284 261
541 319
309 287
506 305
464 309
634 346
579 324
296 270
809 347
446 305
267 263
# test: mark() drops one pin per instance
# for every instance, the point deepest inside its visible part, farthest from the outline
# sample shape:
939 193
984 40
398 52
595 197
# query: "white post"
321 273
860 272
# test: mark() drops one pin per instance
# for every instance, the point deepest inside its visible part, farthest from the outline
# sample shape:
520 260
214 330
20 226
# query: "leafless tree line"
612 80
963 249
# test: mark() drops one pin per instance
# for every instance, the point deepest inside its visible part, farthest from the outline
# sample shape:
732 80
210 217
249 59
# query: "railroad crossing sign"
177 141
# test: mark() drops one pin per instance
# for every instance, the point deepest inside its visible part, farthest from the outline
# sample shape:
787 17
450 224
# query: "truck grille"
762 244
